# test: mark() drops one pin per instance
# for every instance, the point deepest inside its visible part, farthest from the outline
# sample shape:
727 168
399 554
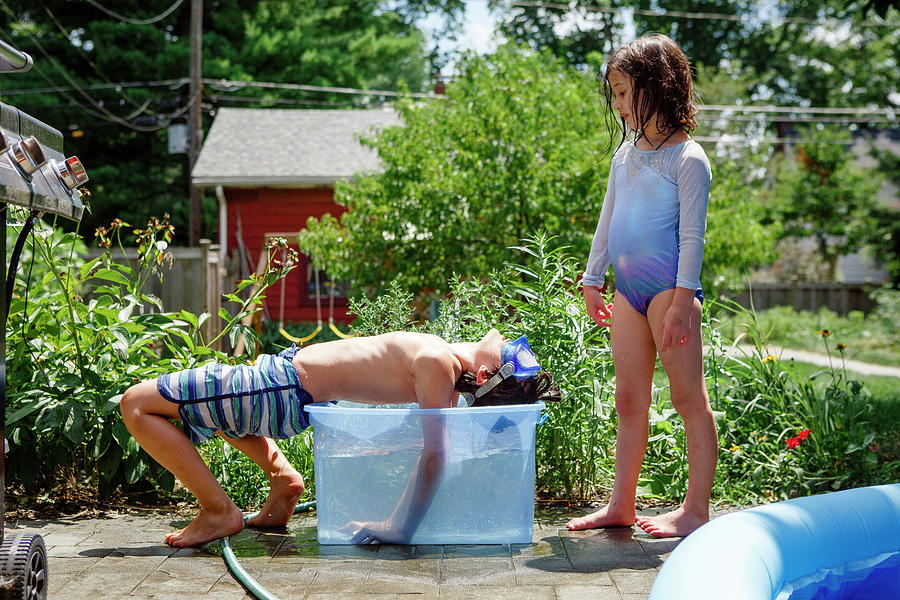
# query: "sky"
478 24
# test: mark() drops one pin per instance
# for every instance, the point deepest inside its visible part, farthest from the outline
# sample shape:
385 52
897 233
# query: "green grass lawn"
872 338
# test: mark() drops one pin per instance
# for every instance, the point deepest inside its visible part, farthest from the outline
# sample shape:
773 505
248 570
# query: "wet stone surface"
123 556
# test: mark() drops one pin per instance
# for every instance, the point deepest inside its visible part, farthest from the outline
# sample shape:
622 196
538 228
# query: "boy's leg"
285 483
634 357
148 416
684 367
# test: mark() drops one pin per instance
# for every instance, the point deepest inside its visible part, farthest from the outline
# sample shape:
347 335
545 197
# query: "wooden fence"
192 281
838 297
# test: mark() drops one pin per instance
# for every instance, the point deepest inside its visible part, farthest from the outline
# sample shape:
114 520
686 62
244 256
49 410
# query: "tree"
90 55
823 196
516 147
796 50
883 239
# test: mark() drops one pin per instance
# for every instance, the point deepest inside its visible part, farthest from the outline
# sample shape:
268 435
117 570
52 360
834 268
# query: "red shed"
272 169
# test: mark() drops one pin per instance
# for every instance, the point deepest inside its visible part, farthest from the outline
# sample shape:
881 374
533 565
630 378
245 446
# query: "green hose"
238 571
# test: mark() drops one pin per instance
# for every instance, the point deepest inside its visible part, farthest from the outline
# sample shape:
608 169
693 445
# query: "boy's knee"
130 406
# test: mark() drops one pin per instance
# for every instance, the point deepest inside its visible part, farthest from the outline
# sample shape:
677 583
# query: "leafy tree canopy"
797 51
113 75
823 196
516 147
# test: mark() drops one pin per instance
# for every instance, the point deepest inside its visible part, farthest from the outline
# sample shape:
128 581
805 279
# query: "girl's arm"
598 259
693 179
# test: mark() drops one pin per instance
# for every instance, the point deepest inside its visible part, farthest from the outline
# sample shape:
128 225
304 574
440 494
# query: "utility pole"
195 130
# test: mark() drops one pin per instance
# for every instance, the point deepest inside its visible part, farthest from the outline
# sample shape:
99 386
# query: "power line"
823 110
125 19
674 14
68 36
225 85
103 112
170 83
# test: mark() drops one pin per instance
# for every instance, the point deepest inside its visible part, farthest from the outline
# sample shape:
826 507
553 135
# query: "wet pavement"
122 556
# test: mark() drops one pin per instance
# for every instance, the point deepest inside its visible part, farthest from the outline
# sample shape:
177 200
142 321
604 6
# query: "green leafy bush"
783 434
79 334
759 405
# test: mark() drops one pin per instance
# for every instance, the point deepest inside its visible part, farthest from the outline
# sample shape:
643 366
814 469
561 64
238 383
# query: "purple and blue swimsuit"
652 223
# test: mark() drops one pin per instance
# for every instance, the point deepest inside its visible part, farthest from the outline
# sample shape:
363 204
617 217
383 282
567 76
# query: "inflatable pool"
838 546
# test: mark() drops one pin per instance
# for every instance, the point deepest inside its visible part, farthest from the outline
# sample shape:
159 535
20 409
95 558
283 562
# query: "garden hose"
238 571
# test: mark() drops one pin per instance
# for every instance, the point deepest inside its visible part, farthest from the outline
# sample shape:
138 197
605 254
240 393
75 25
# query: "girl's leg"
285 483
148 416
634 357
684 366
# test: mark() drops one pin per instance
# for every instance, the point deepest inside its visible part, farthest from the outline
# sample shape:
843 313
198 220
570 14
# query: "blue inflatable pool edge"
797 549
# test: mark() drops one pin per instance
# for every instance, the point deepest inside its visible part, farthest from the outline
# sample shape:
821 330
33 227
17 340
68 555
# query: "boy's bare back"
391 368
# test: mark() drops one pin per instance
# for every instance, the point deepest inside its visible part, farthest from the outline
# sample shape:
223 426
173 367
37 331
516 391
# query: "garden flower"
770 358
824 333
795 441
841 346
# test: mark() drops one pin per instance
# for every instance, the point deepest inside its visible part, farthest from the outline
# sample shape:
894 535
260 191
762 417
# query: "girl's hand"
597 307
676 330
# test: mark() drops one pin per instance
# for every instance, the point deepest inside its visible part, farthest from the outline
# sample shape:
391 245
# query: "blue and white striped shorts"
264 399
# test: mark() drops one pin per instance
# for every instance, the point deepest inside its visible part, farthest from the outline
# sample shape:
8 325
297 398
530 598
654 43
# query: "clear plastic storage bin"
364 458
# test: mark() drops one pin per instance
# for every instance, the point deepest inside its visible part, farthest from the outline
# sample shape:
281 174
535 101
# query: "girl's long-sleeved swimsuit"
652 223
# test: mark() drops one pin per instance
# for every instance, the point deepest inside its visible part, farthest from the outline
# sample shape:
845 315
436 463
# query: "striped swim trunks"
264 399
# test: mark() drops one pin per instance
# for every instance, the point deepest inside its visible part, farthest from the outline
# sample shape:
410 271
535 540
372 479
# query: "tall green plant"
79 334
539 296
785 435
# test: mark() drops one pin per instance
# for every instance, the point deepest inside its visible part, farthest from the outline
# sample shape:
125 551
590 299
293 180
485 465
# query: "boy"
248 405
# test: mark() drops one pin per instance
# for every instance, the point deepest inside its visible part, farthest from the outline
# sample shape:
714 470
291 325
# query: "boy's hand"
597 307
373 532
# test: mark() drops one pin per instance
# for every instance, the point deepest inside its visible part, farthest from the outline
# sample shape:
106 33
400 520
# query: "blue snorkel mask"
517 360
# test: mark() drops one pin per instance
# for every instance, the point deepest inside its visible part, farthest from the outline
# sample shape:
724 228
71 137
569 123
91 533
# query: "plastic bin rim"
508 408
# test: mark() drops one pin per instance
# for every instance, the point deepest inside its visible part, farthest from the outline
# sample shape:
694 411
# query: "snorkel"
517 361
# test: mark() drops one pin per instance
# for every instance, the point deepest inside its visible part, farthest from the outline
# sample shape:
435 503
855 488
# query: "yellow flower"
770 358
824 333
734 448
841 346
762 438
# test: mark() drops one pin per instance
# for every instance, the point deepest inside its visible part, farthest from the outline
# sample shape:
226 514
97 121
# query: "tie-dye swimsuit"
652 223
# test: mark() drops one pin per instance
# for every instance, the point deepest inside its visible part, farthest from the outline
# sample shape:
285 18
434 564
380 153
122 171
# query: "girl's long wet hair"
511 390
662 84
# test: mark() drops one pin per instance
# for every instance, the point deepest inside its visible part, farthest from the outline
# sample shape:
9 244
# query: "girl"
651 231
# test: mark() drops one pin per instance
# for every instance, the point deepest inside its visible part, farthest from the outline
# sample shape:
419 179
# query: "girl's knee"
692 406
631 405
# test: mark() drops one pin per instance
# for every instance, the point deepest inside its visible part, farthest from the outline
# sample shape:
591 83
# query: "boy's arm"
434 376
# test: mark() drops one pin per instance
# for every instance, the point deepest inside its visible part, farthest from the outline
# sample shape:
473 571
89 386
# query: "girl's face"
621 85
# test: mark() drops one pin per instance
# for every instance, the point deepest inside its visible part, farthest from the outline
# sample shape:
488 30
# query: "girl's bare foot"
605 517
207 526
677 523
284 491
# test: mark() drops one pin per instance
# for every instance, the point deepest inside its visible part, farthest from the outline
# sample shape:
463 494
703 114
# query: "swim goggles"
517 361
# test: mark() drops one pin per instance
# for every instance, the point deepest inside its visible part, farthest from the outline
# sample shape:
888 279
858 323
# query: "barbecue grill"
36 175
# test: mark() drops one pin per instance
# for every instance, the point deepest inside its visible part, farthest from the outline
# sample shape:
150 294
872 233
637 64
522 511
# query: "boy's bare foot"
284 491
602 518
677 523
207 526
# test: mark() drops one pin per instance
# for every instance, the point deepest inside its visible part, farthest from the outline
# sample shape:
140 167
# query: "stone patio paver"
123 556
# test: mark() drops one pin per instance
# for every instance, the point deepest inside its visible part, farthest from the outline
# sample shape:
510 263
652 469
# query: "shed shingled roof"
250 147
